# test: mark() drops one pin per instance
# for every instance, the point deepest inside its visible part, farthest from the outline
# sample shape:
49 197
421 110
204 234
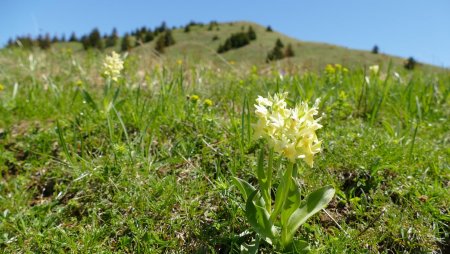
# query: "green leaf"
244 187
316 201
258 217
246 190
87 97
251 248
62 141
300 246
291 203
282 192
263 180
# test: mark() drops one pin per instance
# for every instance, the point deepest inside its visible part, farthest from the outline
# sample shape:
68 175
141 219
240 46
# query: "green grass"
153 173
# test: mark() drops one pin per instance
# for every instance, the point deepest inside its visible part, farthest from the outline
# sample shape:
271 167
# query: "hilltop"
200 44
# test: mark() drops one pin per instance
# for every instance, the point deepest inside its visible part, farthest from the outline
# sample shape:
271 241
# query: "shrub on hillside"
277 52
55 39
410 63
73 37
25 42
237 40
140 35
164 40
375 49
126 44
44 42
289 52
213 24
251 33
162 28
112 39
93 40
149 36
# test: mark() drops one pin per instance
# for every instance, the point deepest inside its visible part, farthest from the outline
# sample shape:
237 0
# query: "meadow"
145 164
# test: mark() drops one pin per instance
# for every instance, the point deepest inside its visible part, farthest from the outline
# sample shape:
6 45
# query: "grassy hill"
199 46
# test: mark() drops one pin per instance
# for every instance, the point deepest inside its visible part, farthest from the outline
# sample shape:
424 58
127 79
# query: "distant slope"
198 46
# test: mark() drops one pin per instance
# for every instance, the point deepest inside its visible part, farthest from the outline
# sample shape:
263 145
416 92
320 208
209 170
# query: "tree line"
95 39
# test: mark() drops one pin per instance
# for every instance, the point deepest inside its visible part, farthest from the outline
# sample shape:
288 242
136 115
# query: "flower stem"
282 191
269 180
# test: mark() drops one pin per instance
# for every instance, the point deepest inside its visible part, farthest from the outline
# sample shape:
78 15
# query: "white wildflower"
112 66
374 69
290 132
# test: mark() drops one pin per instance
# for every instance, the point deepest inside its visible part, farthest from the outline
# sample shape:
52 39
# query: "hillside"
199 46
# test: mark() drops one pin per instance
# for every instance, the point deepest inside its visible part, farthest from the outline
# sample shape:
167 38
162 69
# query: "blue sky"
404 28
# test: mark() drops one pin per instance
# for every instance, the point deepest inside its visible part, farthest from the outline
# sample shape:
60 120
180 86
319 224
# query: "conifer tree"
235 41
112 40
44 42
168 38
39 40
73 37
142 33
55 39
251 33
162 28
279 44
27 42
95 39
276 53
10 43
164 40
126 43
148 36
375 49
85 42
213 24
410 63
160 44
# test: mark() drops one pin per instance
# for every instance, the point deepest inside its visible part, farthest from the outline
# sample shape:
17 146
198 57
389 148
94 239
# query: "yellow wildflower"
207 103
179 62
112 66
329 69
194 98
2 87
290 132
79 83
